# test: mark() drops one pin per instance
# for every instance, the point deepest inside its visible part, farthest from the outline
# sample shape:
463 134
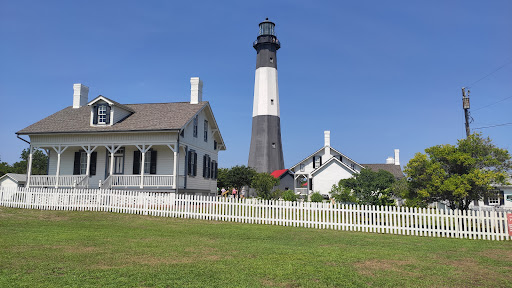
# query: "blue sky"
379 75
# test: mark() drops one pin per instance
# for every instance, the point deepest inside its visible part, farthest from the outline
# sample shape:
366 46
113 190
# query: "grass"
96 249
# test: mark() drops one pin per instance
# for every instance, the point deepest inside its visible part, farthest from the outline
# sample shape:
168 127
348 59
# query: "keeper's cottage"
104 144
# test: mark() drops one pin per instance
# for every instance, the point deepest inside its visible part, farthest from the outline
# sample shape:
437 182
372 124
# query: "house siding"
119 113
8 183
201 147
329 175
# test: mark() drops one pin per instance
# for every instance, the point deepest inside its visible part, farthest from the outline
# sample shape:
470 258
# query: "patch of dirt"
497 254
52 217
371 266
330 264
474 273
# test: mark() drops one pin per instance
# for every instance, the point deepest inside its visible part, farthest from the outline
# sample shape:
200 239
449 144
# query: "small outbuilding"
13 180
285 177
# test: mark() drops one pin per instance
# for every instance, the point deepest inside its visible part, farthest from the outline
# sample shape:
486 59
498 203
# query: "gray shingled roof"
392 168
147 117
19 178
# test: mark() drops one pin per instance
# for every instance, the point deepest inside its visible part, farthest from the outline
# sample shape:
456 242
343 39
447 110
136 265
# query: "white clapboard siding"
489 225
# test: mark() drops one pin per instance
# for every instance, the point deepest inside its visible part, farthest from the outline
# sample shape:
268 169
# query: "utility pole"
465 106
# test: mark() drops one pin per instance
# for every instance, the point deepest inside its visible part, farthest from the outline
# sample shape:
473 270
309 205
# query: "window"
102 114
207 166
195 126
271 60
80 163
205 130
317 161
271 101
302 167
274 145
147 162
494 198
192 163
83 163
118 162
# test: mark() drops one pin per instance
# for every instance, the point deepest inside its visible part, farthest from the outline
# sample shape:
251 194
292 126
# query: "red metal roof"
278 173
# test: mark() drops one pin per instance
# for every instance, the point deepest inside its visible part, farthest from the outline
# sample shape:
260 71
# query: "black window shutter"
92 169
209 168
204 165
107 120
136 162
189 167
320 160
310 184
314 162
76 166
195 164
216 169
501 194
95 115
152 164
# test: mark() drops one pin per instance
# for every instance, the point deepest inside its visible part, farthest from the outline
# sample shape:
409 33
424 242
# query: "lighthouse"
266 152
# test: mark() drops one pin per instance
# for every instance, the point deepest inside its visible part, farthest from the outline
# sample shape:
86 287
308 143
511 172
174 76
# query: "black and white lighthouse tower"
266 152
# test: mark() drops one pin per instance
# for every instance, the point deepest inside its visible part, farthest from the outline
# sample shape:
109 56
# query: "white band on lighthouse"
266 92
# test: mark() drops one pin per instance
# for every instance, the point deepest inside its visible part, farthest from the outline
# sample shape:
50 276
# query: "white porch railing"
51 181
301 191
134 181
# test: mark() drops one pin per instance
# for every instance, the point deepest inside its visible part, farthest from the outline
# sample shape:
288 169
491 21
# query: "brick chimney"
196 90
80 95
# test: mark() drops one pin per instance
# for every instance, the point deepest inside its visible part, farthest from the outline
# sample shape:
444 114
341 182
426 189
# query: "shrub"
289 195
317 197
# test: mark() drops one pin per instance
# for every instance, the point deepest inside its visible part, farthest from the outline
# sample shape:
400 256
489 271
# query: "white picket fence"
490 225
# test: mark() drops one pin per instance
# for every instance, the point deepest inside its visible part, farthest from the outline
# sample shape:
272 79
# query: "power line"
492 103
491 126
494 71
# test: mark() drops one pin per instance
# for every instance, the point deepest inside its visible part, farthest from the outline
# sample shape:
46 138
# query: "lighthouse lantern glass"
267 28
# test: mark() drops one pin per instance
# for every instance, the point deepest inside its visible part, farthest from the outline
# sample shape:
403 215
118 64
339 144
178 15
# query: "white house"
13 180
327 166
102 143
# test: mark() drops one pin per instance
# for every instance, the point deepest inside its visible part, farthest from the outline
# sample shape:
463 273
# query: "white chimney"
390 160
80 95
397 157
327 138
327 144
196 90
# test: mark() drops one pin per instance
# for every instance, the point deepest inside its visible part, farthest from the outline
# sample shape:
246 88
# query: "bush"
317 197
289 195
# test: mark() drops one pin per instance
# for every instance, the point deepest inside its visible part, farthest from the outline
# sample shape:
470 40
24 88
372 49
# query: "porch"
114 166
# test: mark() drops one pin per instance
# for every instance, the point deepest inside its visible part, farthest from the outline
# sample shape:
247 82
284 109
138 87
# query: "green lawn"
93 249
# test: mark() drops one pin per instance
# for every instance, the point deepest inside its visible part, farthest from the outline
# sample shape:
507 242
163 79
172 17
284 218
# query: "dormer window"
102 114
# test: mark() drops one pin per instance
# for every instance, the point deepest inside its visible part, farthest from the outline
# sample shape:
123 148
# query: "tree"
369 187
317 197
39 163
457 174
239 176
264 183
342 194
222 178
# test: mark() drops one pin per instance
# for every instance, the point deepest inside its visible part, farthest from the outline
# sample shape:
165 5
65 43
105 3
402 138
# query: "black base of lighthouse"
266 152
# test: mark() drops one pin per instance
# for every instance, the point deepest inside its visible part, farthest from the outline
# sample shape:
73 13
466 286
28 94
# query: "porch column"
89 151
29 168
59 151
143 149
175 149
112 150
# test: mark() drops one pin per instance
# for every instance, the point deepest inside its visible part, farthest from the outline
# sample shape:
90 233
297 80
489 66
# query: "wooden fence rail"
490 225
